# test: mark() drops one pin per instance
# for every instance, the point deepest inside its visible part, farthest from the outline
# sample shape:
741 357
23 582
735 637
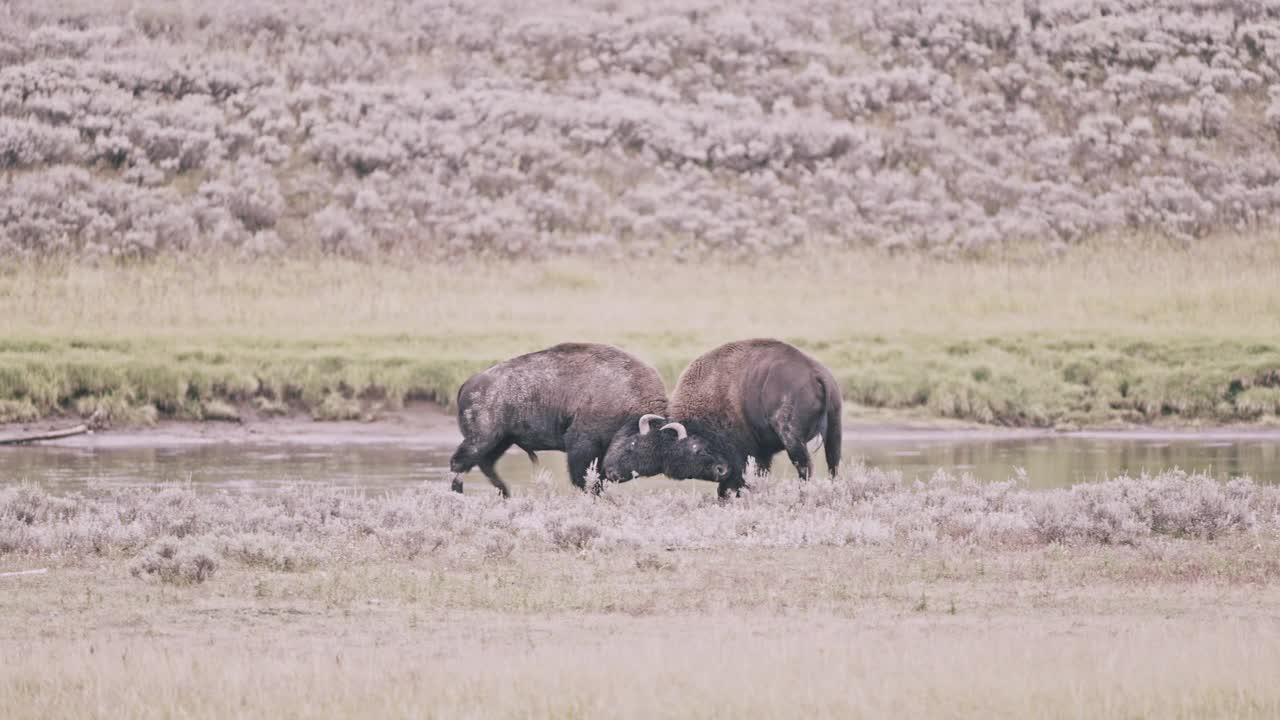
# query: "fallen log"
50 435
18 573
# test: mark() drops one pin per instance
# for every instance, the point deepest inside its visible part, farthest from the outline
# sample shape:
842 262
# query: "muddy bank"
419 424
430 425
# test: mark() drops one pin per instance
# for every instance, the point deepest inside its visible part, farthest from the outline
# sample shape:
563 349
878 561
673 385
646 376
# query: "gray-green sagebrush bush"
305 526
446 129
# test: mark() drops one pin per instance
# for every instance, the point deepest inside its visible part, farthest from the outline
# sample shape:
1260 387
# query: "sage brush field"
442 129
862 596
180 534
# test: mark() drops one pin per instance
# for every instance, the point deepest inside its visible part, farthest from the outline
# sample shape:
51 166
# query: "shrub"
639 129
336 407
24 143
572 534
301 526
270 407
17 411
219 410
270 551
177 561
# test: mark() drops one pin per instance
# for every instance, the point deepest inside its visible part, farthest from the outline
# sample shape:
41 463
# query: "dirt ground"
417 423
769 634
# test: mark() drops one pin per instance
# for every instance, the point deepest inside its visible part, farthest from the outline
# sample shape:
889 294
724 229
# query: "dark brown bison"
743 399
573 397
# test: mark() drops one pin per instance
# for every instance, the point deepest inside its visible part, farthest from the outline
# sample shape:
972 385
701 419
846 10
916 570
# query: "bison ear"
646 419
681 433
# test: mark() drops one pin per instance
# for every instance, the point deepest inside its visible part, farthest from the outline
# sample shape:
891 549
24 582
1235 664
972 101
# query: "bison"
573 397
743 399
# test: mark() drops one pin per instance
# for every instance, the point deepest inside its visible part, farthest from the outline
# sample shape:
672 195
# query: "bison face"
636 451
702 456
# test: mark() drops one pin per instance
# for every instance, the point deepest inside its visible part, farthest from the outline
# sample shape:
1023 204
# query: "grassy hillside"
444 129
1140 333
210 209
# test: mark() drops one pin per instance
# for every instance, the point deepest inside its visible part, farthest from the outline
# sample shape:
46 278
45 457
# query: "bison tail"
832 434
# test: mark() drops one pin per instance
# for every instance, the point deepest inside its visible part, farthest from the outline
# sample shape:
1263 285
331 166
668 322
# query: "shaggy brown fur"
573 397
759 397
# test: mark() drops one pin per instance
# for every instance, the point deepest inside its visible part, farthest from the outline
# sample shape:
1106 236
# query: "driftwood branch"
16 573
50 435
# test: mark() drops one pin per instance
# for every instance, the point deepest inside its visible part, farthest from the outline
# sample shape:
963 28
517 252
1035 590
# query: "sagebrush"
443 128
300 526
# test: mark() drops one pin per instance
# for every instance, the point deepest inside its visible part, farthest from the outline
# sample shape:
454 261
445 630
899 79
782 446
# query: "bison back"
539 396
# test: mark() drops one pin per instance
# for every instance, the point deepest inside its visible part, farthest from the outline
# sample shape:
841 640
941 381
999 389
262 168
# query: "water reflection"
1063 461
1049 462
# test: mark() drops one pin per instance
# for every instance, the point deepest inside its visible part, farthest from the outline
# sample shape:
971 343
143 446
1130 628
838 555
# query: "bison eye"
721 470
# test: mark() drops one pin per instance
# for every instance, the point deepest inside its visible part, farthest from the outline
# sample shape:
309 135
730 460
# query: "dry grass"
851 632
864 597
1216 289
1135 334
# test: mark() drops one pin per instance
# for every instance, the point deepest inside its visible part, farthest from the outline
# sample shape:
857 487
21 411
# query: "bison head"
636 451
697 454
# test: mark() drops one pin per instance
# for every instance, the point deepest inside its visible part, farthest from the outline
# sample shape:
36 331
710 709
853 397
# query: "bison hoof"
725 490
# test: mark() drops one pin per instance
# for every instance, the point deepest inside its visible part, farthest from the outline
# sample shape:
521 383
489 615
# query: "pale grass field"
1178 630
1223 288
1114 335
865 596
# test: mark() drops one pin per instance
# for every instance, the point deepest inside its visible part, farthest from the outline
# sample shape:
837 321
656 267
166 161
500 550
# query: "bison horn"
681 433
645 420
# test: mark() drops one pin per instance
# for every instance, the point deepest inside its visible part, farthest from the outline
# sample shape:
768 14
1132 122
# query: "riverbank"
429 425
1097 337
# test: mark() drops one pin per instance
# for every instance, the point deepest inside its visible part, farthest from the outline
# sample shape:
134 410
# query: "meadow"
864 596
1105 335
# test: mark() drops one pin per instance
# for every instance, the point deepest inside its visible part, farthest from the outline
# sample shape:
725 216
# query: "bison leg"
464 458
578 463
724 488
793 434
581 457
533 456
598 462
483 455
799 454
486 466
764 463
584 448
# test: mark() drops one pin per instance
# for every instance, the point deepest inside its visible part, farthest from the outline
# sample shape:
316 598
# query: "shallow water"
1049 460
